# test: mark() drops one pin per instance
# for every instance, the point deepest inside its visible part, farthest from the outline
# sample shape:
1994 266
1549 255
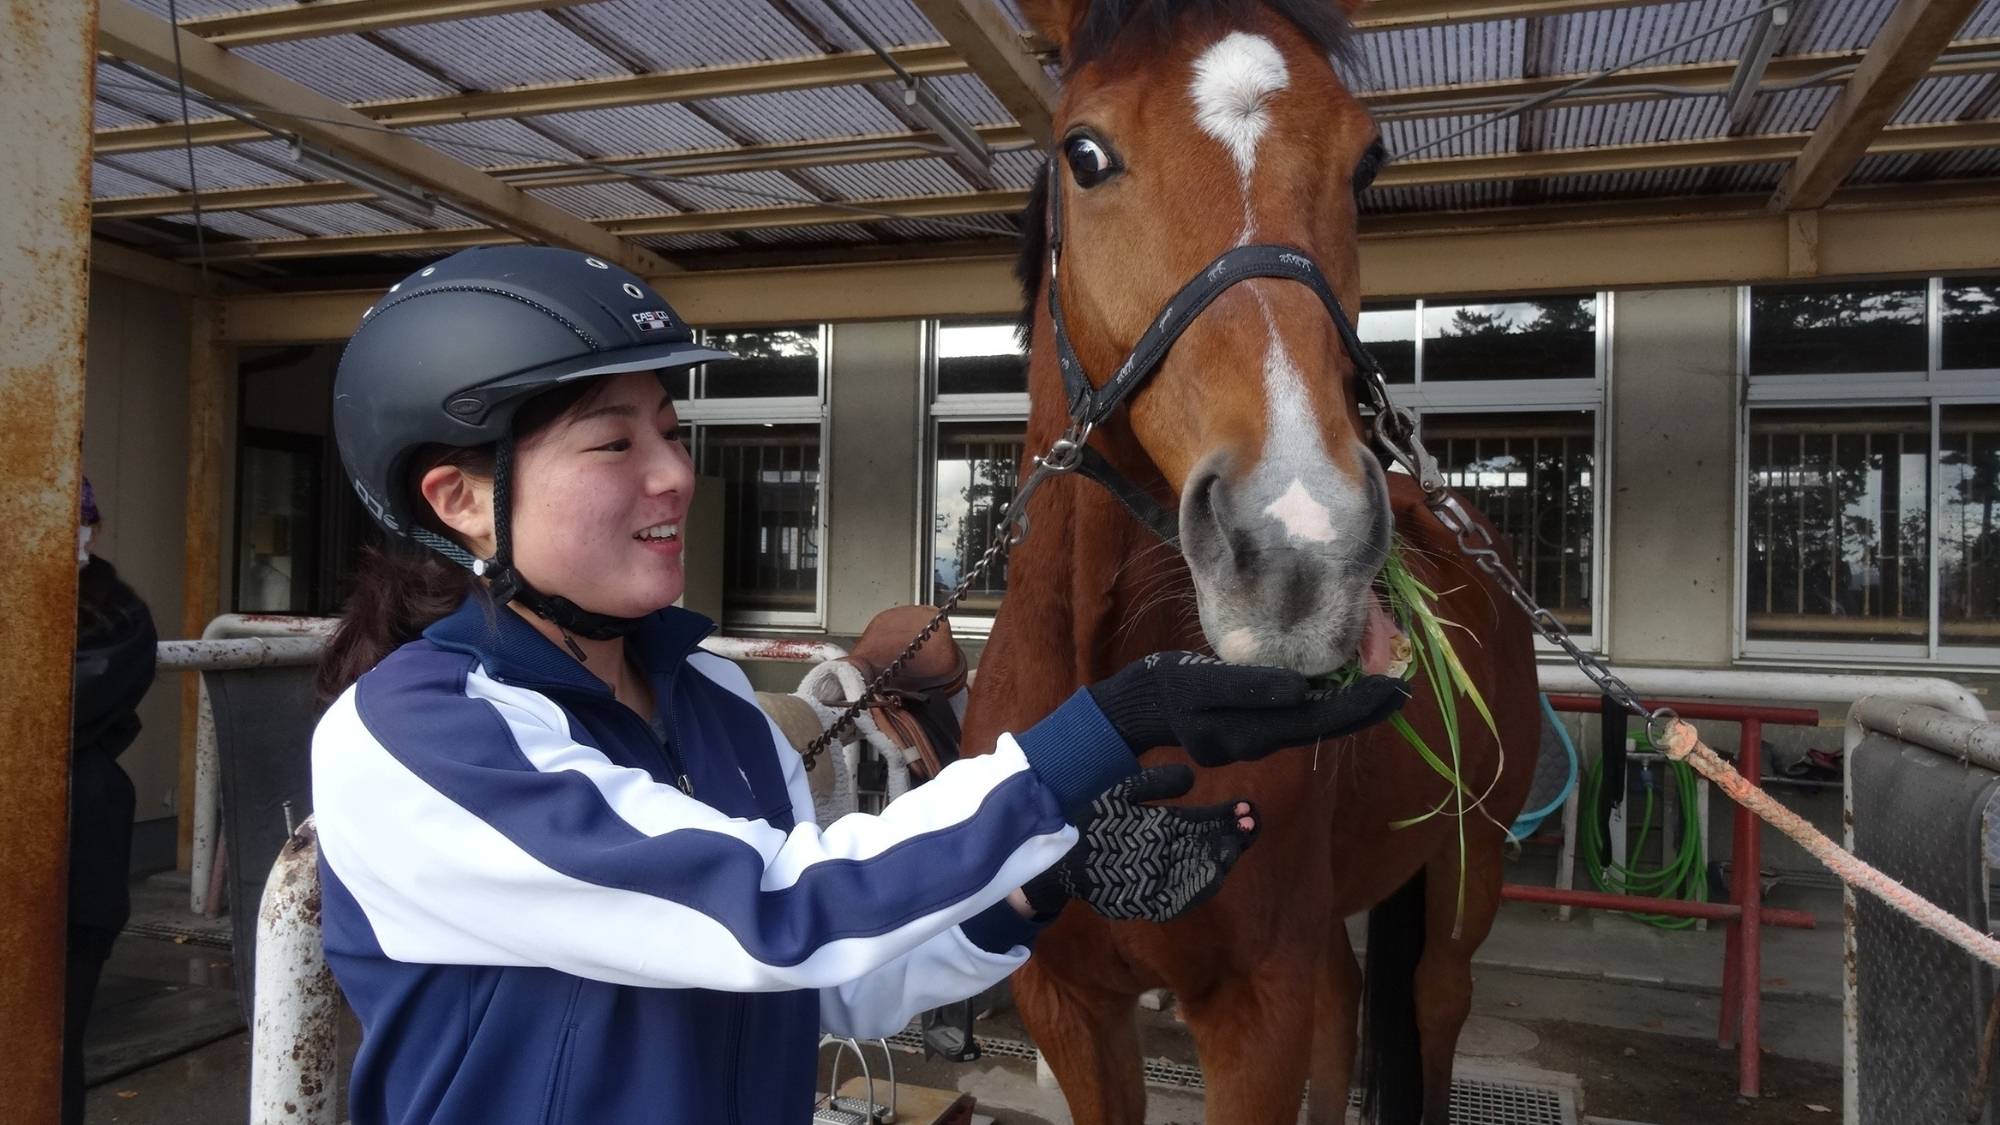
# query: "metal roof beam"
1766 32
346 17
1386 15
130 33
982 34
1917 33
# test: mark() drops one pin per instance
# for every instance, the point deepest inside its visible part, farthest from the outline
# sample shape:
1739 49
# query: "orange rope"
1684 744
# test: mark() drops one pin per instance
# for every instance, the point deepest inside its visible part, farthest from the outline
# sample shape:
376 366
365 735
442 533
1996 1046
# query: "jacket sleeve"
471 828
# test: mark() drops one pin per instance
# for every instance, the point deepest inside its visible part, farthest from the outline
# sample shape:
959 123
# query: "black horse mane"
1149 25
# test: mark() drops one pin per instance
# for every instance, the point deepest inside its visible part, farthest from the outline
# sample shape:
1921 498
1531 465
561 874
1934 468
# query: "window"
277 522
978 395
1508 394
1871 445
759 424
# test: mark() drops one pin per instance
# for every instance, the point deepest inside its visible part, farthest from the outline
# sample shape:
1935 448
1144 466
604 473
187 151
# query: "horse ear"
1351 8
1056 20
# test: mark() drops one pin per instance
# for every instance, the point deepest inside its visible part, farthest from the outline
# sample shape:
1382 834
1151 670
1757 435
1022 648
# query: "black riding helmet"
449 355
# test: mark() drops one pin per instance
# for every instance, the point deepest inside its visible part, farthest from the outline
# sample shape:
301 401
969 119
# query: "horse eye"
1371 163
1089 161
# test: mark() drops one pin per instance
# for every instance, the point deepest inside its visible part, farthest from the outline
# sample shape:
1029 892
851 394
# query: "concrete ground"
1622 1013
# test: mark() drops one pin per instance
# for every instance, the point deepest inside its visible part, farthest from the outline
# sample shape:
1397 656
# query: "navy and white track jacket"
536 924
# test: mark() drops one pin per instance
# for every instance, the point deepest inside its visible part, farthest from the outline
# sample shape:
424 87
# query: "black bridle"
1089 405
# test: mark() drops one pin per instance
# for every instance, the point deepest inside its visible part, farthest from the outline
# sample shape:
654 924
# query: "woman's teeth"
661 531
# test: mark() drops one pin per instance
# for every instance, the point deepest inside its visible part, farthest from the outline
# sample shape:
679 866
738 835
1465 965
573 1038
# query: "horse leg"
1090 1039
1444 973
1254 1031
1336 1010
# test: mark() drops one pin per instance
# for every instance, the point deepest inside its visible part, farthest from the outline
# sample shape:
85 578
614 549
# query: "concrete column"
47 68
1673 475
874 471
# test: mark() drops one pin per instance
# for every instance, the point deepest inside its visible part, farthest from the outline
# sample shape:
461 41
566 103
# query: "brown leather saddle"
913 709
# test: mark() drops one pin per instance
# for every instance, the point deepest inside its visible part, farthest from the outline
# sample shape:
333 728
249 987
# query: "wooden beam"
1387 15
1903 52
347 17
1716 241
146 269
132 34
857 149
596 93
986 39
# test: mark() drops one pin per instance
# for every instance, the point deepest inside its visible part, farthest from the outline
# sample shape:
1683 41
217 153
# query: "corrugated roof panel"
1791 111
739 190
214 168
344 218
957 229
894 22
1885 169
241 224
705 240
1940 99
798 115
1626 123
970 98
845 233
1662 184
497 52
732 31
1434 56
604 201
1968 163
1018 169
161 104
1405 135
1837 25
1984 21
486 143
346 67
660 127
191 9
1433 197
1588 41
108 116
108 180
1741 178
885 178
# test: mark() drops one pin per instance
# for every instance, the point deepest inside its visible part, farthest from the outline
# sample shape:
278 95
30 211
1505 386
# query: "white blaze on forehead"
1233 83
1304 517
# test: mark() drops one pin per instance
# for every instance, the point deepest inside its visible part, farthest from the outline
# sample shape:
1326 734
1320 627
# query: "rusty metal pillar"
210 364
47 75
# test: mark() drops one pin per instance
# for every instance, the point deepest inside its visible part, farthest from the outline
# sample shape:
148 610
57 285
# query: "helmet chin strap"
508 584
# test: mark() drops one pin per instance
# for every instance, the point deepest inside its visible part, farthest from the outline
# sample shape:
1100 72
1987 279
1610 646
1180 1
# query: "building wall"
135 453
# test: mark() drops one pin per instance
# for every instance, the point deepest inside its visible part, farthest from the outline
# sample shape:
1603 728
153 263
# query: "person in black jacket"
115 650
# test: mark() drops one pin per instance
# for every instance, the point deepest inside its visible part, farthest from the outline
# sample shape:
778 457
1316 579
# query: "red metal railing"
1745 915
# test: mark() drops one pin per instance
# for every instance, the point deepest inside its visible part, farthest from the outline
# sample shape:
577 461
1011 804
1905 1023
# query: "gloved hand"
1225 713
1141 861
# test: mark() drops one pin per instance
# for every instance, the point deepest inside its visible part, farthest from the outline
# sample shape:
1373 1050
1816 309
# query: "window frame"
938 410
1524 396
697 411
1933 388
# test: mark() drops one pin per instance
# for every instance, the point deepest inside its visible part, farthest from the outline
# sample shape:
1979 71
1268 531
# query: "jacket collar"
513 651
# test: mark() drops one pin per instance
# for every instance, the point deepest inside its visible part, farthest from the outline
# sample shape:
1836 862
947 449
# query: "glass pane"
1830 329
276 552
1544 338
1971 330
977 466
1534 476
980 359
1390 333
770 522
1968 536
1839 514
771 363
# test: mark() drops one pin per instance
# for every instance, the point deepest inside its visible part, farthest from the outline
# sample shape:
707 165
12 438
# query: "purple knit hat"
90 516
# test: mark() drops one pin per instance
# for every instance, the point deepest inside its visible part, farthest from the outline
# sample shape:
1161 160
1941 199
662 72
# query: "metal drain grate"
208 937
1477 1097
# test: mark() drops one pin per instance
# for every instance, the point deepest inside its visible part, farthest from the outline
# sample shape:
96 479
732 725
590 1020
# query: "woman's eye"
674 435
1089 161
619 446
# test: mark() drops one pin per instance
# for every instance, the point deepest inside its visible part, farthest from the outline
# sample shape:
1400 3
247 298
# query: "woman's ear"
464 503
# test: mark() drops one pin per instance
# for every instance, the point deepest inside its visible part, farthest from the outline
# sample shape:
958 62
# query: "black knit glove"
1136 861
1225 713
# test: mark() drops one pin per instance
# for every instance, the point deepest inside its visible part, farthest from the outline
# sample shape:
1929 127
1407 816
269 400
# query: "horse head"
1187 129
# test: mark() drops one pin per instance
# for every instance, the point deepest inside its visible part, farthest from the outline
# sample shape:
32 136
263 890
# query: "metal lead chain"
1400 439
1064 455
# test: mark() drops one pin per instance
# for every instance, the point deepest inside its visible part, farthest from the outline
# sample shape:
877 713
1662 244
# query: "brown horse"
1191 127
